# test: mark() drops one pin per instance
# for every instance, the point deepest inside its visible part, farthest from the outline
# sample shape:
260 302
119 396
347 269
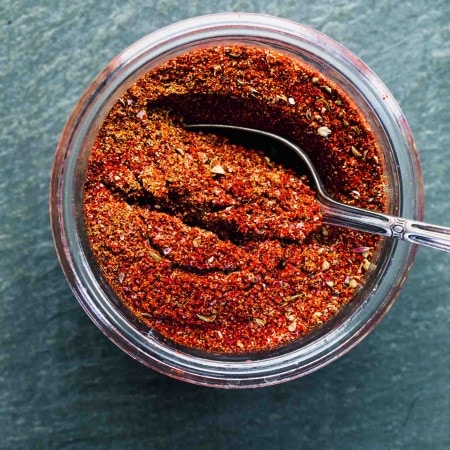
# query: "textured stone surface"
64 385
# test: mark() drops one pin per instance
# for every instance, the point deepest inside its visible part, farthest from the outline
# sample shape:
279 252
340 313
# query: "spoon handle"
421 233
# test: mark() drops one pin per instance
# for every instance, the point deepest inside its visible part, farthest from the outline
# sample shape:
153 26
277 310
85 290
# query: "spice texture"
218 245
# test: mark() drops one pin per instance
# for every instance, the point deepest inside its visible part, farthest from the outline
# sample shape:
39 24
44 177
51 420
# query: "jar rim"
76 140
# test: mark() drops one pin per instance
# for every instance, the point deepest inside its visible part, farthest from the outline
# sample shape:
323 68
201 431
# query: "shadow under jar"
137 201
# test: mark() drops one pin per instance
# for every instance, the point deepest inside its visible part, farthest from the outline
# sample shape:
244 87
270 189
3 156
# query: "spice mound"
217 245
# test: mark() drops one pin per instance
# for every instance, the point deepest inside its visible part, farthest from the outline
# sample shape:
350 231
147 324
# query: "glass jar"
336 337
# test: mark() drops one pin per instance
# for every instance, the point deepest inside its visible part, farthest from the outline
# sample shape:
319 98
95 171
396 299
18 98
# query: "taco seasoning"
217 245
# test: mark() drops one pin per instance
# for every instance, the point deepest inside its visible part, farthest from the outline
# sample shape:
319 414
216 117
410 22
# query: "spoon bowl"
340 214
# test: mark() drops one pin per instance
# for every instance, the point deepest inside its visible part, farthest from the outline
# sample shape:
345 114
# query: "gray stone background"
64 385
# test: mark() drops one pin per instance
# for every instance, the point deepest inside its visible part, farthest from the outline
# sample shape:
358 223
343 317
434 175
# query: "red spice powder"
216 245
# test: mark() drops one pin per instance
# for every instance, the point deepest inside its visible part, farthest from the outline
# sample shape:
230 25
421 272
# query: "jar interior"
244 115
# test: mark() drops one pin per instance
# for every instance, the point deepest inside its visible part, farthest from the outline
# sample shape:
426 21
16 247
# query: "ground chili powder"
220 246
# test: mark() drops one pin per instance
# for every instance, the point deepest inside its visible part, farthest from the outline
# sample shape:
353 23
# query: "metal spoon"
335 213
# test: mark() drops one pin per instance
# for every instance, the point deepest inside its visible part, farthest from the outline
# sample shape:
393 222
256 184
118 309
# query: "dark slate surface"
64 385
